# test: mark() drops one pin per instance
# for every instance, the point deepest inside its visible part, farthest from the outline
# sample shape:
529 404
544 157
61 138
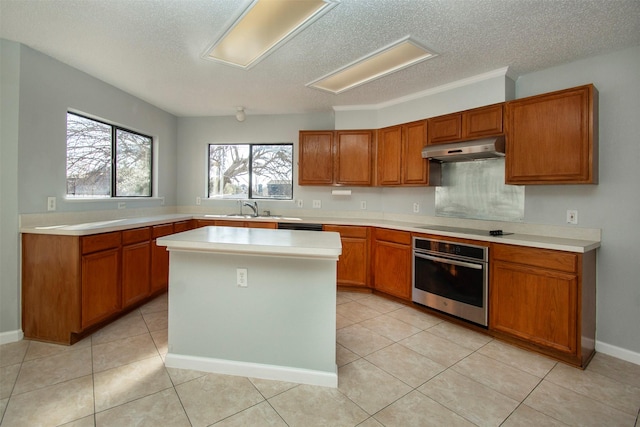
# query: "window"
251 171
105 160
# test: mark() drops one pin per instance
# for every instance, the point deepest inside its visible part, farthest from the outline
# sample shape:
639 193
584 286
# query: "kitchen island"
254 302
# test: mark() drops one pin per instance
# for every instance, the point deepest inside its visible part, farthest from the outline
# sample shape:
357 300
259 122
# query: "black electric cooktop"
462 230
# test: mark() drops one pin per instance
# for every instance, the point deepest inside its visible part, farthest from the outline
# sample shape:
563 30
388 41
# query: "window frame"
250 195
114 160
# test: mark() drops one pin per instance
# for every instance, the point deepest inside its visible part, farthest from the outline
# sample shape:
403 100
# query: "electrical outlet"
198 200
572 216
299 203
51 203
122 205
317 204
241 277
416 207
363 204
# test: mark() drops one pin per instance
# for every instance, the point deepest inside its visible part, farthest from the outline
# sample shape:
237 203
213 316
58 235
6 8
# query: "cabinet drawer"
545 258
100 242
261 224
206 223
181 226
136 235
348 231
401 237
162 230
229 223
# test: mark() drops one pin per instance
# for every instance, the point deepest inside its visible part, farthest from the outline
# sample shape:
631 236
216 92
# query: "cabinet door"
415 169
160 259
159 268
482 122
136 261
535 304
315 158
100 286
392 264
354 157
353 264
445 128
552 138
205 223
181 226
261 224
390 156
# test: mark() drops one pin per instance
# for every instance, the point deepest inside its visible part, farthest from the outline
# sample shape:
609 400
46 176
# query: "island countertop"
256 241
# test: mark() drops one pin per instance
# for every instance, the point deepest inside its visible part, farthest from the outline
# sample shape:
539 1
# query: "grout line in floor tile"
93 382
359 357
179 398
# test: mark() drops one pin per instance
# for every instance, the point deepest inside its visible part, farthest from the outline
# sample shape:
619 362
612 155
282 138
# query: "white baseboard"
620 353
11 336
253 370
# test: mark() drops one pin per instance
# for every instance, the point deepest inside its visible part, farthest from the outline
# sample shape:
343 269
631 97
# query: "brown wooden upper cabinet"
336 157
399 156
464 125
315 158
553 138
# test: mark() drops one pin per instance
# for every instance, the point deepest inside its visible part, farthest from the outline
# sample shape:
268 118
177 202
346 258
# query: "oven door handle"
449 261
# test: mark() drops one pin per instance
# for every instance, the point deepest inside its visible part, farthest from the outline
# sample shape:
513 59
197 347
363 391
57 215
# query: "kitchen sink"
228 216
234 216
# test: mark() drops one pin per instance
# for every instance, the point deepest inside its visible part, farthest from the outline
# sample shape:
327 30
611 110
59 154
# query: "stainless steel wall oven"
451 277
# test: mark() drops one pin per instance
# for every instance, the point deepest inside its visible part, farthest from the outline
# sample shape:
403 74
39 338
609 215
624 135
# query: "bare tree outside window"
106 161
88 157
251 171
133 164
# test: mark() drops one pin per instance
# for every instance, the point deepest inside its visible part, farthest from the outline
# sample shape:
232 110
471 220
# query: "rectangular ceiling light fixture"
401 54
263 27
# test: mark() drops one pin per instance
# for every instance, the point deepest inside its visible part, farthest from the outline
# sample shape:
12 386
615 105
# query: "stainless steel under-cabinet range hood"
465 151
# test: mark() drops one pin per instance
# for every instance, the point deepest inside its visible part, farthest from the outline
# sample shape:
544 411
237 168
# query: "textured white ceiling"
153 48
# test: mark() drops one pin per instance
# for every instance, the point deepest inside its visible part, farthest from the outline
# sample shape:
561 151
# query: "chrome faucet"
253 206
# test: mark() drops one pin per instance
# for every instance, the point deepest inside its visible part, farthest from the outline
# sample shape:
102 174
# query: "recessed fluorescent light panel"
401 54
263 27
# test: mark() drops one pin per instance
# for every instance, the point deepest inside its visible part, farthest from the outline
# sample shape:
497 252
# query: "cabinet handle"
450 261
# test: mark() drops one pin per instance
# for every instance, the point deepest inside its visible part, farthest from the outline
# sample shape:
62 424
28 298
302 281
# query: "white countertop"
256 241
96 227
519 239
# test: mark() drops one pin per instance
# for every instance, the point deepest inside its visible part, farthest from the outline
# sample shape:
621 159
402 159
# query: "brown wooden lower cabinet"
353 264
544 299
392 262
72 285
160 259
180 226
261 224
136 265
100 286
538 298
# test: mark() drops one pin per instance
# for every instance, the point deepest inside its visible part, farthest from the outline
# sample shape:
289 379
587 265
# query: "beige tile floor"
397 367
